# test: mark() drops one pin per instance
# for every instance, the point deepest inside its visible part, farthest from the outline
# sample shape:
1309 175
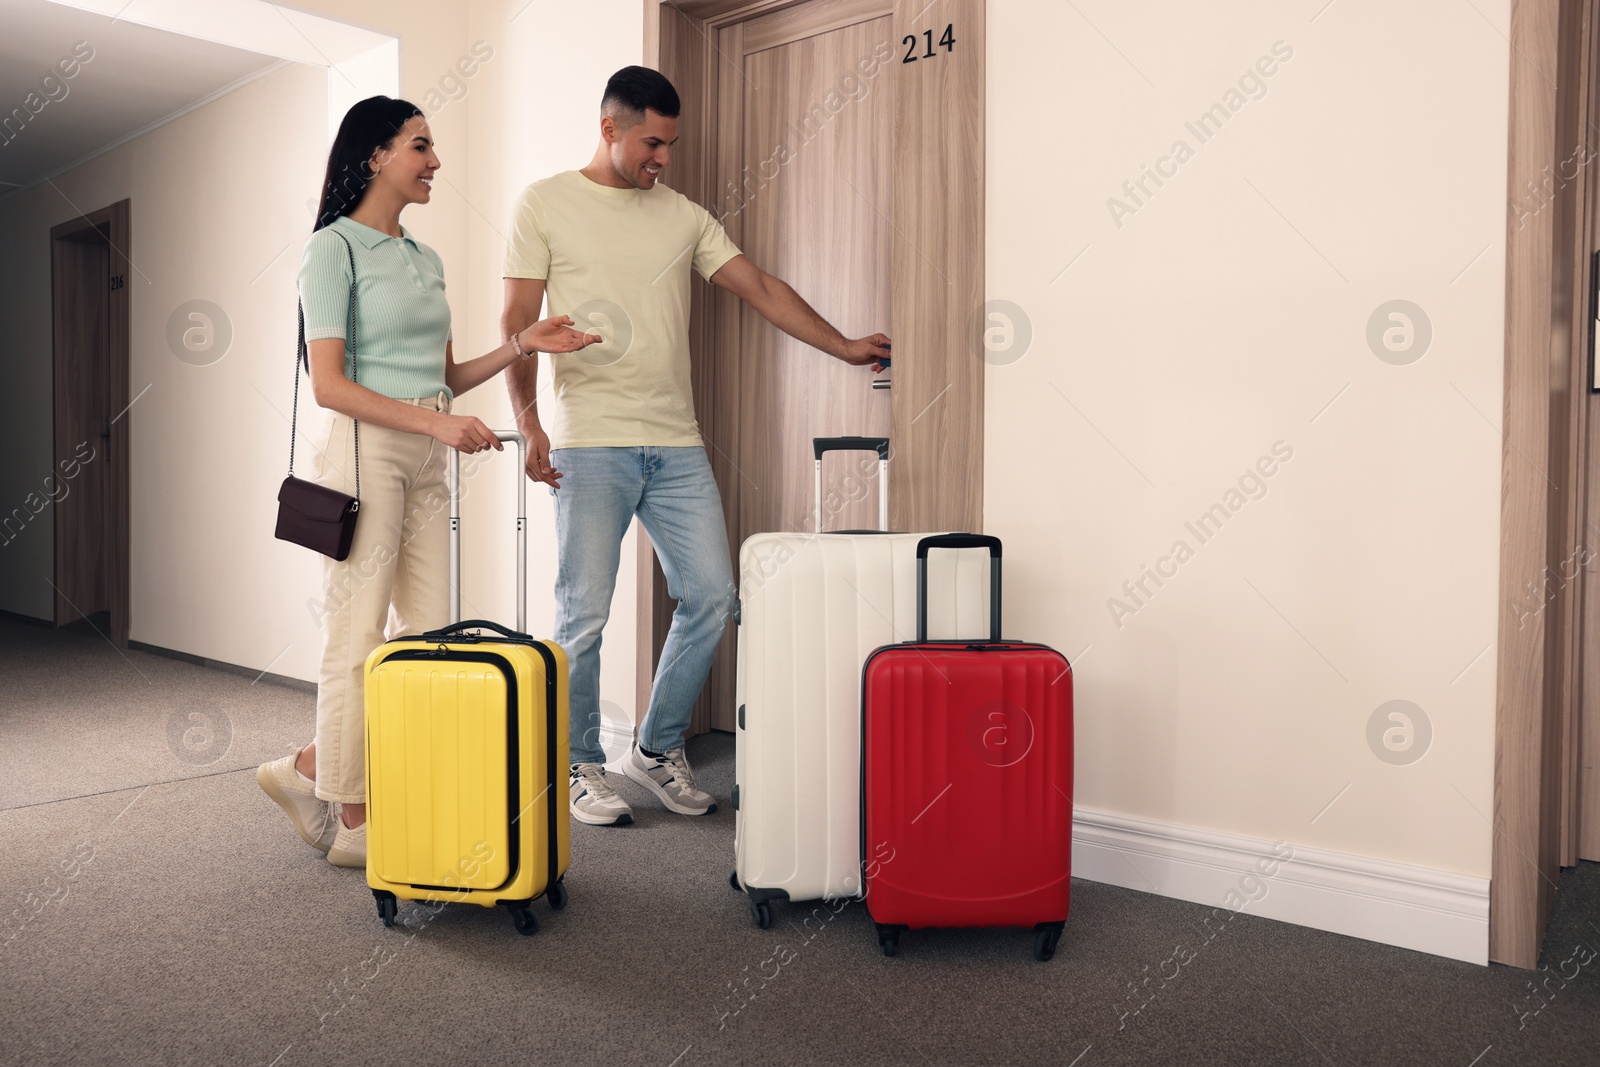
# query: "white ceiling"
138 77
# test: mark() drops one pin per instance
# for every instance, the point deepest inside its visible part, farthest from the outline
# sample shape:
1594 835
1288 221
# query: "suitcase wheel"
1045 940
388 906
557 895
761 912
733 880
522 916
888 938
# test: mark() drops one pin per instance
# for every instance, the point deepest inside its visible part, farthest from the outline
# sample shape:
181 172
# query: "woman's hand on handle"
539 468
556 334
466 433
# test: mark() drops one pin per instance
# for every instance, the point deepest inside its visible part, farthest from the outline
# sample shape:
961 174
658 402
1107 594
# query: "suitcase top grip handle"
880 445
958 540
475 624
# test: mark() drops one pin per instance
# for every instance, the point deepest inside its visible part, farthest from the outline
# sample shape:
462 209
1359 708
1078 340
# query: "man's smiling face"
640 152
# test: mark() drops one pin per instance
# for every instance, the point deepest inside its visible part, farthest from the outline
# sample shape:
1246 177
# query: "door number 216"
947 42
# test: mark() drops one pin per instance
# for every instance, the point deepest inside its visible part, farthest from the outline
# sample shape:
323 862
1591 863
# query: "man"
613 249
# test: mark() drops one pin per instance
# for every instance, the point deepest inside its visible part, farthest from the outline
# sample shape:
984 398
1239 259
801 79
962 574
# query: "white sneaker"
349 846
670 779
593 800
296 794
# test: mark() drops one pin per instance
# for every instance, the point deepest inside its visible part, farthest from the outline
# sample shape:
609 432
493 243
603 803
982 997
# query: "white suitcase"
812 607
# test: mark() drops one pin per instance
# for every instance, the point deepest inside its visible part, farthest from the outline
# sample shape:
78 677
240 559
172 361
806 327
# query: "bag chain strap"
350 332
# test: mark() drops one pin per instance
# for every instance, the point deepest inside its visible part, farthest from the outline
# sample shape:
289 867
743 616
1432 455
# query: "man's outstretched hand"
867 351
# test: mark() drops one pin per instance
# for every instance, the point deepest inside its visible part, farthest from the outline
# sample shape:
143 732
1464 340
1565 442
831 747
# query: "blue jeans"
672 492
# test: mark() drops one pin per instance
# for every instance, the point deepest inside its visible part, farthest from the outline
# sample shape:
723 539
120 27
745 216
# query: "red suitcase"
967 778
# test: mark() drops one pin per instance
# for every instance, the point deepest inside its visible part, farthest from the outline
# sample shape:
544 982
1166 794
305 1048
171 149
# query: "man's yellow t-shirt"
617 261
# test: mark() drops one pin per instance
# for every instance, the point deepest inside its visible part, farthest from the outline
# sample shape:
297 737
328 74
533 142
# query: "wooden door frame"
936 479
1544 512
113 223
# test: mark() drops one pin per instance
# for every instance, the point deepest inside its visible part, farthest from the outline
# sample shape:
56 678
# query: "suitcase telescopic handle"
954 541
880 445
509 437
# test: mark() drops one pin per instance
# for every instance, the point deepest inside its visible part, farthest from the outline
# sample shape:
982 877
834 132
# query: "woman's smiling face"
406 165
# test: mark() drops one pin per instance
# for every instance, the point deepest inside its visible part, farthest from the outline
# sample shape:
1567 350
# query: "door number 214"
947 42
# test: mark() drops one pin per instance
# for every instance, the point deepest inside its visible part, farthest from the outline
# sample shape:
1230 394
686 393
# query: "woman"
406 377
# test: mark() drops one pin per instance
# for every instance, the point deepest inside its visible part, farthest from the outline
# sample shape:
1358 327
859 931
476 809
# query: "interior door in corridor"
803 169
809 197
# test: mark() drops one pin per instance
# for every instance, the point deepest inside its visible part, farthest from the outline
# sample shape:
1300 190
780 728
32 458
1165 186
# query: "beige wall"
27 547
208 578
207 443
220 213
1220 317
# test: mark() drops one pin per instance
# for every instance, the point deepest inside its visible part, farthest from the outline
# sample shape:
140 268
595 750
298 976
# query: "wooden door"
78 484
810 162
1580 732
1546 668
89 482
848 163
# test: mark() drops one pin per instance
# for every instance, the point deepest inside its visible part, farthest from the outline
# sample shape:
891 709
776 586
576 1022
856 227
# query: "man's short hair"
634 90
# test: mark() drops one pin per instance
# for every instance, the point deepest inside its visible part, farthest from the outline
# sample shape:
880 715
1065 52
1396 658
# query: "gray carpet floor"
156 908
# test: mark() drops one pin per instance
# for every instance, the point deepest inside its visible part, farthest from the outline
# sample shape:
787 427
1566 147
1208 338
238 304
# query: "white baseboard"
1419 908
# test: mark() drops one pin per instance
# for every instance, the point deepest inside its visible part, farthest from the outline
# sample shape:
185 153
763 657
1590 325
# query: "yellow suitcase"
467 754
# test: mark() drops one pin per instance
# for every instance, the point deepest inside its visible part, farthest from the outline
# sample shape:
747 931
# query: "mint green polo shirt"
402 317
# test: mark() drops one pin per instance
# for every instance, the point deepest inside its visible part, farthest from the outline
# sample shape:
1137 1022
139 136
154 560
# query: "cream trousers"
394 582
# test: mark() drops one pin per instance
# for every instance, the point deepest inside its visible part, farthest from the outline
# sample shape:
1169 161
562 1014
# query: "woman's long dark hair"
367 127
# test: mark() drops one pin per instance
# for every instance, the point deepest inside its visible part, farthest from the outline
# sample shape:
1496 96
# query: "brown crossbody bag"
309 514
